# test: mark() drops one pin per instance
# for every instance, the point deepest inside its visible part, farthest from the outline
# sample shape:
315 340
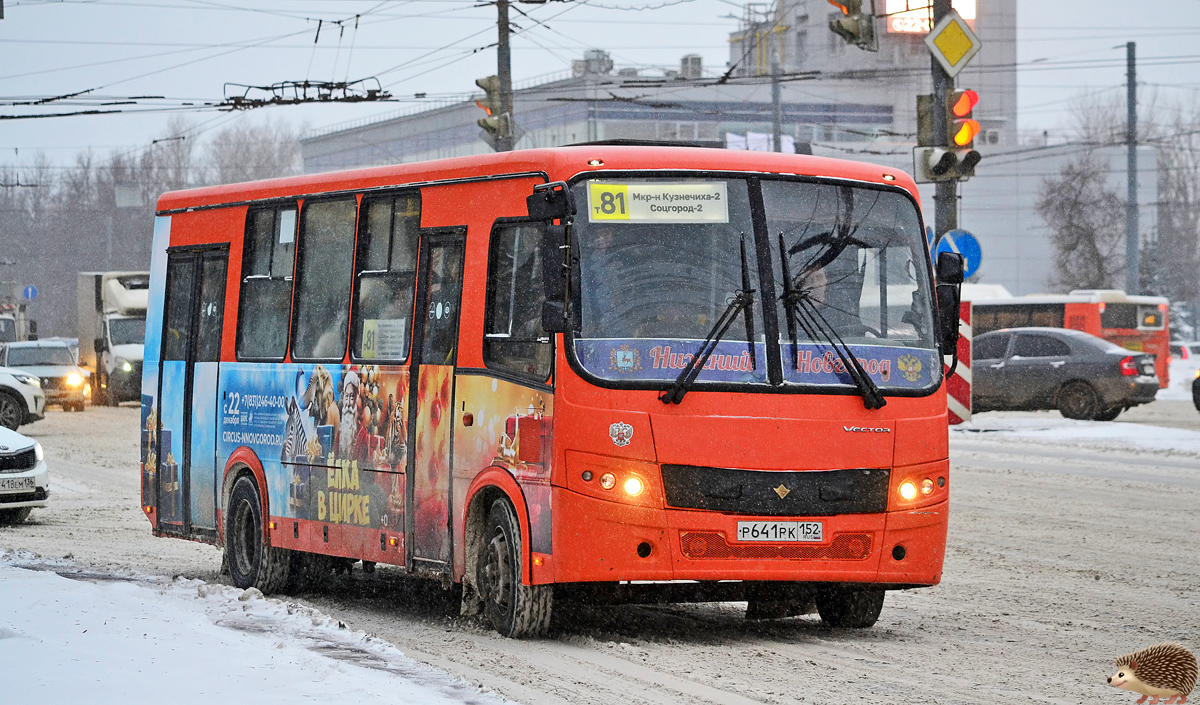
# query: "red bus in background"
614 372
1137 323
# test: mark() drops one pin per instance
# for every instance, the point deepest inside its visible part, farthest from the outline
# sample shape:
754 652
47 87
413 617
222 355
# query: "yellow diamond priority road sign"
952 43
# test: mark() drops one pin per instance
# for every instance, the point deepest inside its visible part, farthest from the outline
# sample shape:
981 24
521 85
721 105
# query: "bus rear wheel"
850 607
516 610
252 562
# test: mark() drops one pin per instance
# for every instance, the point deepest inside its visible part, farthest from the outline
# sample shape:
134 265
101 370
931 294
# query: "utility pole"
776 103
504 143
945 199
1131 168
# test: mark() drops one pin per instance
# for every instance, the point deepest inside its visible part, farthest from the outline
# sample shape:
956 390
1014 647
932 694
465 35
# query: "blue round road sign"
30 293
965 244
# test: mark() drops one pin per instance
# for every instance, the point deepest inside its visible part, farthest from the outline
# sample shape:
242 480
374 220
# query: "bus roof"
558 164
1078 296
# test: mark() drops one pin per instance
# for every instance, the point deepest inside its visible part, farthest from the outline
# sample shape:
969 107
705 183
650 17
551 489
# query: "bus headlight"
74 380
633 487
927 487
908 490
608 481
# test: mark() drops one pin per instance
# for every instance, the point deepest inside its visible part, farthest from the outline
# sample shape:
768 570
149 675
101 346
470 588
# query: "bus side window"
385 277
265 301
513 335
325 267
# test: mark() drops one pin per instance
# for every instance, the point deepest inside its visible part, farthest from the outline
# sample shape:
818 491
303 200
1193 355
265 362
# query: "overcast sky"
187 50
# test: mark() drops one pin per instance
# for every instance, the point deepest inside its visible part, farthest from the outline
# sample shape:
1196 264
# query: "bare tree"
1088 223
250 152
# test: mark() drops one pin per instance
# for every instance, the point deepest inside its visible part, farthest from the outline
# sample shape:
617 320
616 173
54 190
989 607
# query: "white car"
24 477
63 380
22 399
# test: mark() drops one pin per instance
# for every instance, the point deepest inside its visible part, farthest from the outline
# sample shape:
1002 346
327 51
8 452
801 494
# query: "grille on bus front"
772 493
18 462
712 545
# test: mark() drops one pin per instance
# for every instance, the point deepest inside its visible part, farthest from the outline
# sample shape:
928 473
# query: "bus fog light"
927 487
608 481
633 487
908 490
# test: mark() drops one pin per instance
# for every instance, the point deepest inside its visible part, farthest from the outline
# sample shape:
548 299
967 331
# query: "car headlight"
74 380
124 365
37 451
28 379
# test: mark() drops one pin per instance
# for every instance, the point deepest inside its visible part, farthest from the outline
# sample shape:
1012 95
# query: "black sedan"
1084 377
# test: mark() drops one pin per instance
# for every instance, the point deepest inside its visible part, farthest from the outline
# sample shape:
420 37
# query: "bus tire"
850 607
252 562
1077 400
516 610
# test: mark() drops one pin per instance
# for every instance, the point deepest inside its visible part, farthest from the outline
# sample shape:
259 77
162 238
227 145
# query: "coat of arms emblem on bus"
910 367
624 359
621 433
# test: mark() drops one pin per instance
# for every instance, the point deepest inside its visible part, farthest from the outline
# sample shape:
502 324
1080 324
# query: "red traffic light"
966 102
848 7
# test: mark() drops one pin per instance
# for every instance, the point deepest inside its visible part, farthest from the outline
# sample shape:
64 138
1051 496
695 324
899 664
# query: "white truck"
112 333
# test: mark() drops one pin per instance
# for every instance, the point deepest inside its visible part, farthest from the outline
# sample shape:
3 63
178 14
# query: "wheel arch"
488 486
243 462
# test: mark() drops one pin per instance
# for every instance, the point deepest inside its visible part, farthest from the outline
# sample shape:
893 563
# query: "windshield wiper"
801 309
741 301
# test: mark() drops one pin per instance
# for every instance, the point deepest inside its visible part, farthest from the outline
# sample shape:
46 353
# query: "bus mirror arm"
558 265
949 299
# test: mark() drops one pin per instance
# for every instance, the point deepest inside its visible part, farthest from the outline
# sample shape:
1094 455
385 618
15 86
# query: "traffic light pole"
504 143
945 199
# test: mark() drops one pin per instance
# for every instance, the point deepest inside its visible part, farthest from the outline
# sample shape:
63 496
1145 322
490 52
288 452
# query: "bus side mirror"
949 298
950 268
552 201
556 270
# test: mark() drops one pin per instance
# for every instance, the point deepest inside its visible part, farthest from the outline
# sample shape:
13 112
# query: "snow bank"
185 641
1117 435
1181 372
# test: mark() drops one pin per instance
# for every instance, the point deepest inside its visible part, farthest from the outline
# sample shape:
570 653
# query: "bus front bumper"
601 541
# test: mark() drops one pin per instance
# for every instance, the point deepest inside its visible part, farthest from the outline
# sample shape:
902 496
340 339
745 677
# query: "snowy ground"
1070 544
1181 374
73 636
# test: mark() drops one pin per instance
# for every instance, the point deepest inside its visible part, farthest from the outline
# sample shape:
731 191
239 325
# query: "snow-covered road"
83 637
1069 545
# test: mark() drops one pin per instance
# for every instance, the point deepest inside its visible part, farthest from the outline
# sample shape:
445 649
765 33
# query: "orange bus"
602 372
1137 323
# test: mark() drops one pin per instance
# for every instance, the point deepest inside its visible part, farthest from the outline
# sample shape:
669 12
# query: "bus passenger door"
431 402
186 470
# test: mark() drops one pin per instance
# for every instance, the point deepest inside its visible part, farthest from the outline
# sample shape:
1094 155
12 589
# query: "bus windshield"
661 260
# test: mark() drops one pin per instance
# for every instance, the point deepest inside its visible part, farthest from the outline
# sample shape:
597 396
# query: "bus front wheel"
515 609
851 607
252 562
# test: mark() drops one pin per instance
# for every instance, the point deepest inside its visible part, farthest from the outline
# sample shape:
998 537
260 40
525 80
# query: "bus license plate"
779 531
15 484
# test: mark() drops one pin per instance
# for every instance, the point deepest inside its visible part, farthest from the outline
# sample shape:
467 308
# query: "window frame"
360 260
356 198
276 207
498 225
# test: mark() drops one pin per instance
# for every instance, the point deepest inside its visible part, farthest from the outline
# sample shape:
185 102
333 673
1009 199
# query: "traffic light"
956 159
854 26
497 126
960 128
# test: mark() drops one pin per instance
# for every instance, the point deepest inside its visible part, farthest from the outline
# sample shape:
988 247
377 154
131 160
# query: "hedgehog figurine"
1161 671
